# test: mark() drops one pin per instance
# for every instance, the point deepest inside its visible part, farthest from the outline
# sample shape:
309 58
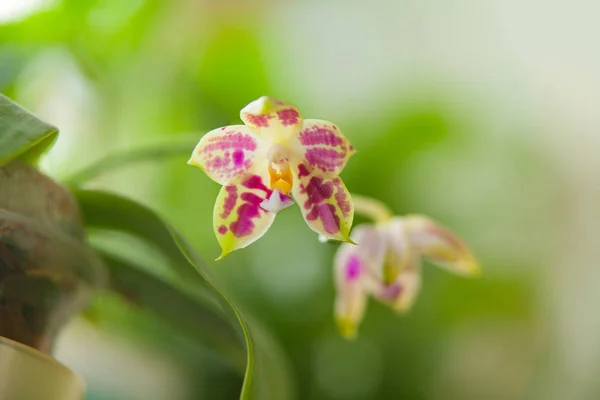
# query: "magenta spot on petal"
238 157
252 198
230 201
302 171
353 268
325 147
320 135
391 292
250 208
341 198
324 158
244 225
326 213
259 121
255 182
288 117
284 197
222 229
215 154
317 191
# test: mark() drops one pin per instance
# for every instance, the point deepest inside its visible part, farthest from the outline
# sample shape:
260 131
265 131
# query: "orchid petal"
239 218
351 293
227 154
272 119
325 203
440 245
323 148
399 253
402 293
371 246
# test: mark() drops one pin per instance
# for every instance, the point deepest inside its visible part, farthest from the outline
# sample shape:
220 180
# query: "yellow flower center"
281 180
279 169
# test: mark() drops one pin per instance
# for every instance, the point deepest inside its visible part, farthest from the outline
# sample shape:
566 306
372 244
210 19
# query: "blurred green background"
482 115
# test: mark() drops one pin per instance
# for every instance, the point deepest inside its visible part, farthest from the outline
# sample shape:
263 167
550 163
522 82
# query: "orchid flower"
262 165
386 263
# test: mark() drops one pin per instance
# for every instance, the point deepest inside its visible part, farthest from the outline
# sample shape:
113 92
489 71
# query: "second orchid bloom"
275 157
386 262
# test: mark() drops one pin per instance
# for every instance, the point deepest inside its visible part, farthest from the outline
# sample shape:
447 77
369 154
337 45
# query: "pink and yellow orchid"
386 263
262 165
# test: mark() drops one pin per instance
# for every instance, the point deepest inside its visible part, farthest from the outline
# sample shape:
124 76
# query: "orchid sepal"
441 246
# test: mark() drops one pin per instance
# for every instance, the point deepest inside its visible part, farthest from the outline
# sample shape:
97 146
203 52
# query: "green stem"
371 208
116 161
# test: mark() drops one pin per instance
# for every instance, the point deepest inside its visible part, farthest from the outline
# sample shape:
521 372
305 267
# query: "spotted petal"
227 154
325 203
272 119
240 217
350 272
440 245
323 148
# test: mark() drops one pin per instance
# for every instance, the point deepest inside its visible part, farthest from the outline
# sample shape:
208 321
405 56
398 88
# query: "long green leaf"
22 134
266 374
196 319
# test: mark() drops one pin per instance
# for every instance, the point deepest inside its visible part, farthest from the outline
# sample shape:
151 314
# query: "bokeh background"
483 115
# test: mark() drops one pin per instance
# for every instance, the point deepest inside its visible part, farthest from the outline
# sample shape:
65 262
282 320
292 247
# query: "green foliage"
22 134
265 377
190 301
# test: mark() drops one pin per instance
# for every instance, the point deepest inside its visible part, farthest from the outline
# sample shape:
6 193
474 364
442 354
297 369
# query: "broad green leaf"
266 375
109 212
22 134
198 320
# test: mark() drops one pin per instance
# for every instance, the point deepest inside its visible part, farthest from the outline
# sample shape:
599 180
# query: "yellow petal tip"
474 271
347 328
402 308
193 163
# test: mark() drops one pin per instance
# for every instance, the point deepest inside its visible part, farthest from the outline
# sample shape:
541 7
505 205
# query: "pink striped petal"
323 147
440 245
239 217
272 119
350 272
227 154
325 203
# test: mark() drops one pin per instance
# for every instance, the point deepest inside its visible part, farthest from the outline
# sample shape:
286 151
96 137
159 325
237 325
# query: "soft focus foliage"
482 115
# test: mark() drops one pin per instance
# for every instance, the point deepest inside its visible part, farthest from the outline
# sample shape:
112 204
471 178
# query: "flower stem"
371 208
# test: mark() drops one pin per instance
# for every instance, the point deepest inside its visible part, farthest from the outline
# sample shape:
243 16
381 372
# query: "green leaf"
200 321
22 134
266 375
